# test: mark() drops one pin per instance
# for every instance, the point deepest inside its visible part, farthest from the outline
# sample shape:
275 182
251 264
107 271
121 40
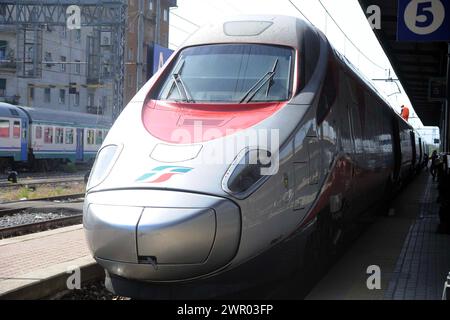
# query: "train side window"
4 128
16 129
48 135
328 96
90 136
38 132
59 136
69 136
99 137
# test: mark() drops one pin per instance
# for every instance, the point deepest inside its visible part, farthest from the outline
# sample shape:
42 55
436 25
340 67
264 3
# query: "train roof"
273 29
65 117
11 111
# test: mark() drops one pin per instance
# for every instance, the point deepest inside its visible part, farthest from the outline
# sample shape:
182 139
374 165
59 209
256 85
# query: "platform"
27 261
414 259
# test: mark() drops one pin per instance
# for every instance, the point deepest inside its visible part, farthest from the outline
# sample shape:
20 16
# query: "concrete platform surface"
413 258
26 261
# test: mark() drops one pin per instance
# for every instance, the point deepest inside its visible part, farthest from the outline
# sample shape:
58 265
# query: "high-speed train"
245 159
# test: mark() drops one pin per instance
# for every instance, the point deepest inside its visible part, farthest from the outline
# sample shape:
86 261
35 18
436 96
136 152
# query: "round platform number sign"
424 16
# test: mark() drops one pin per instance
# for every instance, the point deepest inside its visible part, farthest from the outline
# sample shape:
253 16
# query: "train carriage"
44 138
13 134
165 218
70 136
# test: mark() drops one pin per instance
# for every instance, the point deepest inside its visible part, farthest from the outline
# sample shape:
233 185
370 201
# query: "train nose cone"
161 235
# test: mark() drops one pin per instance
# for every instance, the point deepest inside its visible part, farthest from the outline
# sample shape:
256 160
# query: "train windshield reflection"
229 72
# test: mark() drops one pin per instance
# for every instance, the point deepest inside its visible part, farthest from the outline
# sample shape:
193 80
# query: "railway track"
67 197
29 216
27 228
37 182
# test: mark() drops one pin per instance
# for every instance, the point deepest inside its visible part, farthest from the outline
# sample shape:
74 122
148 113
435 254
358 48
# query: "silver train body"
164 221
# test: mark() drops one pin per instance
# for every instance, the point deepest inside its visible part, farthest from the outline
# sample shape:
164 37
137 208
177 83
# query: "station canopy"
415 63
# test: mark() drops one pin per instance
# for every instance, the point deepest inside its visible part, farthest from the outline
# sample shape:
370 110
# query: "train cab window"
38 132
59 136
4 128
229 73
48 135
99 137
69 136
90 136
16 129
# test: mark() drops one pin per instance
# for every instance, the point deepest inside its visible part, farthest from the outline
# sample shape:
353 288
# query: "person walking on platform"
405 113
434 158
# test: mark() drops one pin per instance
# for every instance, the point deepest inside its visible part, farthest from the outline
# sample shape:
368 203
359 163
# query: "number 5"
424 9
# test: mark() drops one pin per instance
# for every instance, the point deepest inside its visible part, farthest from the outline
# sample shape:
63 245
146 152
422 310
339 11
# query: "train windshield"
230 73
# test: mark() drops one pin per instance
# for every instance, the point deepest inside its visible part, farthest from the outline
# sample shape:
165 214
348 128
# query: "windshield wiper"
260 83
181 87
179 84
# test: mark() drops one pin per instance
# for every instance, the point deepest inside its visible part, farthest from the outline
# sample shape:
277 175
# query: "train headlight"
105 160
249 170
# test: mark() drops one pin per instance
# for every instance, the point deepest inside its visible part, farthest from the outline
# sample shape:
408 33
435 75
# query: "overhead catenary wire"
300 11
348 38
184 19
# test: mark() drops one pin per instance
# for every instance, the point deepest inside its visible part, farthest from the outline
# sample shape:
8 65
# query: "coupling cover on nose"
176 235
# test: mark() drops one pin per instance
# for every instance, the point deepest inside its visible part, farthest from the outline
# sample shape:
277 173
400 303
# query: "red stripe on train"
178 122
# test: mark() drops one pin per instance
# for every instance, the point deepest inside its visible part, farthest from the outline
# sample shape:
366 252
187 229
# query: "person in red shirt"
405 112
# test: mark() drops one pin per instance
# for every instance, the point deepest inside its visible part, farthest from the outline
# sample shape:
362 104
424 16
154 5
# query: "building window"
47 96
165 15
104 102
59 136
69 136
31 93
3 46
48 57
90 99
2 87
76 101
78 35
38 132
90 136
30 54
62 96
63 63
63 32
77 66
130 54
4 128
48 135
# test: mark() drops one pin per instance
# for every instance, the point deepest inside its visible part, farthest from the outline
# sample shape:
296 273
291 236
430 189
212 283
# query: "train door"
80 144
24 141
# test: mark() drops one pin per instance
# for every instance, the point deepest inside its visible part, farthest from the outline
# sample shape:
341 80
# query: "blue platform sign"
156 57
423 20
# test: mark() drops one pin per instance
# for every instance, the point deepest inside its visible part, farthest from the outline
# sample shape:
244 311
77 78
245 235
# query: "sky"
190 14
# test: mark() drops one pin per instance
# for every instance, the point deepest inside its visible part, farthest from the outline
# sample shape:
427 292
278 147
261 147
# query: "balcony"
8 66
94 109
10 99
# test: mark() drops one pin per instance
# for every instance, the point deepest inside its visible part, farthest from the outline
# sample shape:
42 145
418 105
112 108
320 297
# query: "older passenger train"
42 138
183 200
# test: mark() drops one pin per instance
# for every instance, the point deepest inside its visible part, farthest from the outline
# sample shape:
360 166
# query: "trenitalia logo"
162 173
